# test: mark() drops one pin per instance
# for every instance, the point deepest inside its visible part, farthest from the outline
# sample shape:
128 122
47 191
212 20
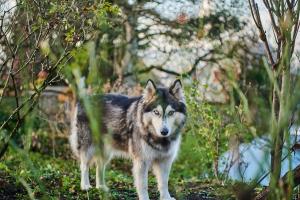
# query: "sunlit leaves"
210 127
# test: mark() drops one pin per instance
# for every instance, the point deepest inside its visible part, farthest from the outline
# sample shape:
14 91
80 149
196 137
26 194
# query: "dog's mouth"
164 136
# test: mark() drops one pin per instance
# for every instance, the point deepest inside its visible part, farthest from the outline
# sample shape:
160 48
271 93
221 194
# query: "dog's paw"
102 187
85 186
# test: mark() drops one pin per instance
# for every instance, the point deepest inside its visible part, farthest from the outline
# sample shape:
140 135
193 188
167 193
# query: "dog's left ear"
177 91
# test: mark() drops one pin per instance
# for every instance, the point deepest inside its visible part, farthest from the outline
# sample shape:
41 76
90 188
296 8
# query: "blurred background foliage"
52 50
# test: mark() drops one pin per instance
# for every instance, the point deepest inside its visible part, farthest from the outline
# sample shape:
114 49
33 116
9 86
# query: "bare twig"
262 34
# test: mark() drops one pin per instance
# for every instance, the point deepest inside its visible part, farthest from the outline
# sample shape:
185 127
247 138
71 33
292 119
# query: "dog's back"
113 116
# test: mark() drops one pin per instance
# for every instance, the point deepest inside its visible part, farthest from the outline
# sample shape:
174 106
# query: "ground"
42 175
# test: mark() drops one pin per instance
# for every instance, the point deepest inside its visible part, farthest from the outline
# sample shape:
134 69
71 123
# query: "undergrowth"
38 175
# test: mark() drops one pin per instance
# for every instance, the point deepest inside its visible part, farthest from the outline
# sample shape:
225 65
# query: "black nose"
164 131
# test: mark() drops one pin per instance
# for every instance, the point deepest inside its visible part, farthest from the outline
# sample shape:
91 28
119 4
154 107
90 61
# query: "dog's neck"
160 143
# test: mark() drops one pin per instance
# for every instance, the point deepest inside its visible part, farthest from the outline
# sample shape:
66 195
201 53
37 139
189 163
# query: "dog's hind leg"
100 173
161 170
85 159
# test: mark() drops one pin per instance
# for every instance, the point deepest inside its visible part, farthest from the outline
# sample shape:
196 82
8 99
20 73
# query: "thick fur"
145 129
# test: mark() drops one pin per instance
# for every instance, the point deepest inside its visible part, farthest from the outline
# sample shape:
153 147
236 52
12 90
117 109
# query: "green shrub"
209 129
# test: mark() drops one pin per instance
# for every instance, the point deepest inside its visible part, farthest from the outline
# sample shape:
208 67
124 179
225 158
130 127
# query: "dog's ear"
177 91
149 90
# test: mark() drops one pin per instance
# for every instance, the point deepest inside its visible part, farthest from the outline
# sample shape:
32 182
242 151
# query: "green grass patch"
28 175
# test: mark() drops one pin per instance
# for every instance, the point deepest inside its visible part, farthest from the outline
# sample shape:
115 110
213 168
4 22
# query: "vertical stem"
216 159
279 131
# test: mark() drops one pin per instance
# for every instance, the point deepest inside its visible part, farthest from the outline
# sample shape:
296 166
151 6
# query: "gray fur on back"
116 120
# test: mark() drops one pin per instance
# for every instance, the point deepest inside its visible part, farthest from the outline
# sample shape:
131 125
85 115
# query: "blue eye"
171 113
156 112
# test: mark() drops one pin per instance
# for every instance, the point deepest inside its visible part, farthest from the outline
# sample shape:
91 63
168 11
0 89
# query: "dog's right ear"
149 90
177 91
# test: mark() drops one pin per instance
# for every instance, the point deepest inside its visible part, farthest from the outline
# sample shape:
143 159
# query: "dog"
145 129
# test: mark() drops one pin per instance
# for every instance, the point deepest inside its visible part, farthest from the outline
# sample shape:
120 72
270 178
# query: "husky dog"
145 129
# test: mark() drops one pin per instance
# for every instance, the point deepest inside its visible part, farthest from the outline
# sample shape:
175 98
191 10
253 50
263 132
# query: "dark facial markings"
156 112
165 98
171 113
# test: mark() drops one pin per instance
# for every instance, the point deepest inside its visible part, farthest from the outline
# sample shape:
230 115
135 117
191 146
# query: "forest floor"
45 174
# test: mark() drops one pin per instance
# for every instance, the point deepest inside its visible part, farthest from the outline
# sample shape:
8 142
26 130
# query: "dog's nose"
164 131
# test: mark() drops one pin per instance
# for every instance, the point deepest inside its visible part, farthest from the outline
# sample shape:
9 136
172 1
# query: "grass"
39 175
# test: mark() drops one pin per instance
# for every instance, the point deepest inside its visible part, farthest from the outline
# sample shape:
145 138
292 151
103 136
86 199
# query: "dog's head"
164 109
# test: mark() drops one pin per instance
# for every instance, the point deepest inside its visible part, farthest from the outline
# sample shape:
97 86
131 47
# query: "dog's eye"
156 112
171 113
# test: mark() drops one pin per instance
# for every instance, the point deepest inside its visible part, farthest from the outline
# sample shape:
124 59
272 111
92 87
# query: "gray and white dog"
145 129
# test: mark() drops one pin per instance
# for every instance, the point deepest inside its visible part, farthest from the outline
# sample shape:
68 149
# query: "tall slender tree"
284 17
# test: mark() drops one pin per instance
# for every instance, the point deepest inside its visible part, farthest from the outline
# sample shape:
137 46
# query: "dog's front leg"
84 168
140 173
161 169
